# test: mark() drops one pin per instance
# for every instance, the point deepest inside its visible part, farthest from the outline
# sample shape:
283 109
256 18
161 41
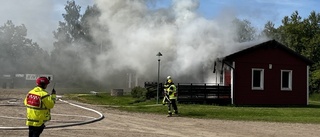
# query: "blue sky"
258 12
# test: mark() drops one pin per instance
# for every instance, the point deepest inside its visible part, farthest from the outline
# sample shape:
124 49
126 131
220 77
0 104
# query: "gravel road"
124 124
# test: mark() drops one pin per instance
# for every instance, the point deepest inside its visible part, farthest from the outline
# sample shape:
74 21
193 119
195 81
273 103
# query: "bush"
138 92
152 90
142 93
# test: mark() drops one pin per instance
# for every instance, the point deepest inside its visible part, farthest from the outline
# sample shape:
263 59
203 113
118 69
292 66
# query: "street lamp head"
159 54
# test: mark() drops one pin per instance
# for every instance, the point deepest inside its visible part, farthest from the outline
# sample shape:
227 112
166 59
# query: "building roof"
270 43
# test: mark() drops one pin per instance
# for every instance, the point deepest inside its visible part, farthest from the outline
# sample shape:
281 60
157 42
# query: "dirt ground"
124 124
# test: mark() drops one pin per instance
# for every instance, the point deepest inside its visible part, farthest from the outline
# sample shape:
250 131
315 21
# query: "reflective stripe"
45 96
48 95
36 108
32 120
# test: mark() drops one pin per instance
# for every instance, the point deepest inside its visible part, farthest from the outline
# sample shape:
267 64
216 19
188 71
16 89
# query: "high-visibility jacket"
172 91
167 84
38 103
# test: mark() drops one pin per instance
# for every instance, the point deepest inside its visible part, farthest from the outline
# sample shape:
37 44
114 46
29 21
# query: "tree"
89 24
312 49
245 31
294 30
64 56
271 32
311 30
70 30
302 36
18 53
74 44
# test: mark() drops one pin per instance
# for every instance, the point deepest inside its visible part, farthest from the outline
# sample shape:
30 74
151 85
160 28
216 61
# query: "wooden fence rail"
204 93
198 93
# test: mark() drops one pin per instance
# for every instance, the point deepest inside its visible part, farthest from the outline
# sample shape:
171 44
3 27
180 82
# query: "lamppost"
159 55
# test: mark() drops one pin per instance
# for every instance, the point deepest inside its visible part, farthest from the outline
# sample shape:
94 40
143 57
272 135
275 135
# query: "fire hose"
101 116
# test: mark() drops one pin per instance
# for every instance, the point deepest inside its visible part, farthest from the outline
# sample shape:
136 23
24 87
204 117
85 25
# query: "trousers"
36 131
173 104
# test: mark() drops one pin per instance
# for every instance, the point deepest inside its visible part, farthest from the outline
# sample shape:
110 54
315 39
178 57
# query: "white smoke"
189 42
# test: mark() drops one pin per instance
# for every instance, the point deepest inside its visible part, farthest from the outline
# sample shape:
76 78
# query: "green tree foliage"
18 53
270 31
293 28
302 36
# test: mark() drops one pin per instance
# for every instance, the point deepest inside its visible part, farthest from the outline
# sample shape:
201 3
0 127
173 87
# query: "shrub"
138 92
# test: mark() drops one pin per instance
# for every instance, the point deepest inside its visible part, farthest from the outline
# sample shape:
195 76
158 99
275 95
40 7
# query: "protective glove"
53 91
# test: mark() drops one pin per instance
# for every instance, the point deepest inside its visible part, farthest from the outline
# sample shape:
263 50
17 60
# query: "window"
286 79
257 79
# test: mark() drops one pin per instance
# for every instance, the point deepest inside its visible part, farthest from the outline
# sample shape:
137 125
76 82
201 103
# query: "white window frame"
289 80
261 79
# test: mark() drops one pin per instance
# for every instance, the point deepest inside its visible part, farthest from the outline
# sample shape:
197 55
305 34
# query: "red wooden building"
268 74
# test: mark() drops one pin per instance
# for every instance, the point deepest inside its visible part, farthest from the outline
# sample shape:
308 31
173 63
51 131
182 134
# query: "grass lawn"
308 114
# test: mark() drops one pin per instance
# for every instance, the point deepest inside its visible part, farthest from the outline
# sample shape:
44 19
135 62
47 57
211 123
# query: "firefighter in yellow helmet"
170 96
39 103
166 86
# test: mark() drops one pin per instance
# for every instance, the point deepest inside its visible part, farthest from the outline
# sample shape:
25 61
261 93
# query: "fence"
202 93
152 89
